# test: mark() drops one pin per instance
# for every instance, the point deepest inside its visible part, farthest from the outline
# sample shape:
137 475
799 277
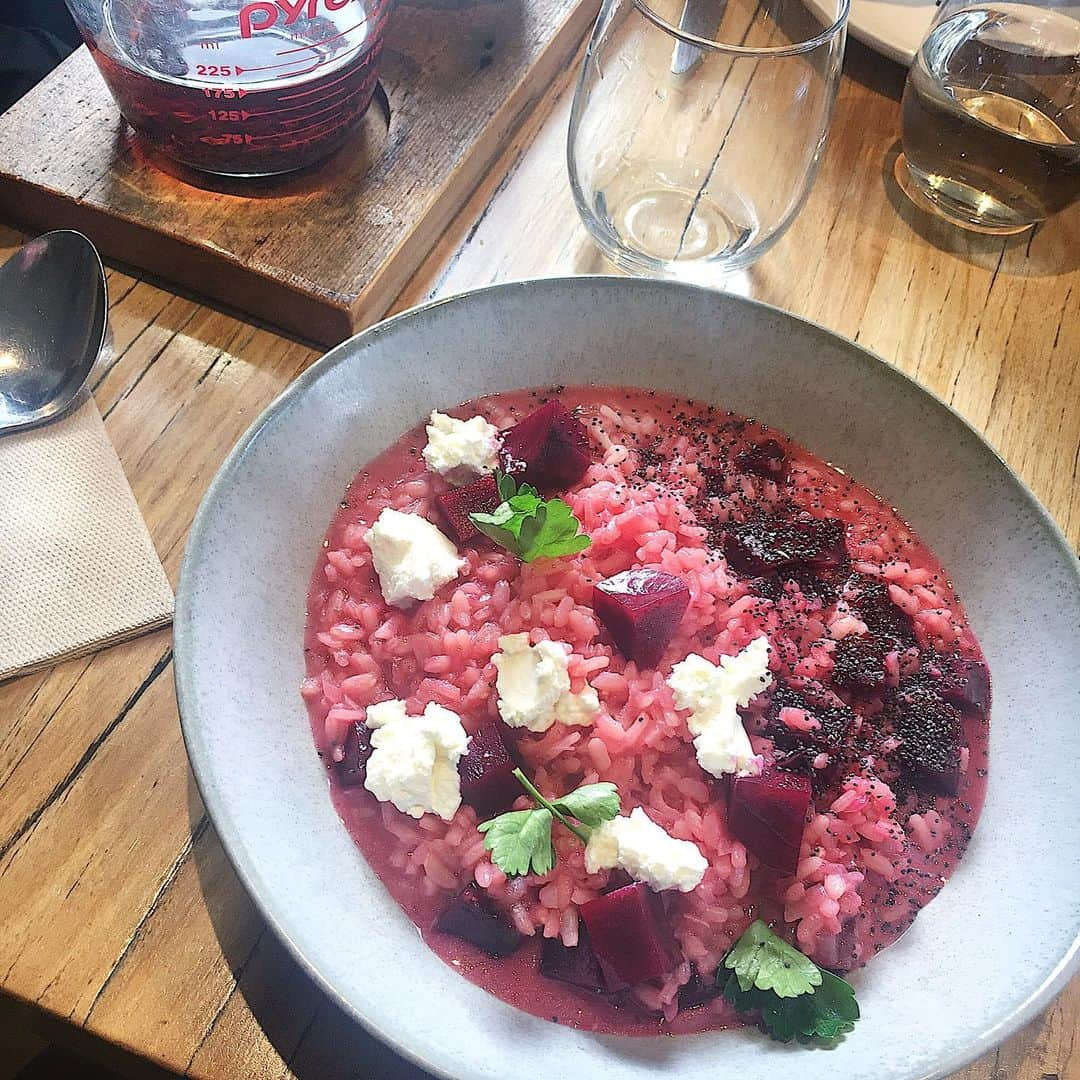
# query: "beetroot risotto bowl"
652 719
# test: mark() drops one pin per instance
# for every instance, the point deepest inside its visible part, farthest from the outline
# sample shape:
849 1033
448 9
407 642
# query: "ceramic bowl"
980 960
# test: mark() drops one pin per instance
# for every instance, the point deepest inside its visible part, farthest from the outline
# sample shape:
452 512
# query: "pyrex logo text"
263 15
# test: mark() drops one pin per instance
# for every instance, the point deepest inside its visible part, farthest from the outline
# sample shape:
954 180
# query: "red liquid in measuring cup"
263 89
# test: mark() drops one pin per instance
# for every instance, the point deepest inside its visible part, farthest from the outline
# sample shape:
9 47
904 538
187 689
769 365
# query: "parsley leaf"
761 960
529 526
591 804
826 1014
835 1008
520 842
825 1010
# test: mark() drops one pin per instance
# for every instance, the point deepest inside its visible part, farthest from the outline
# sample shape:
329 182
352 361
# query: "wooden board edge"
392 276
245 289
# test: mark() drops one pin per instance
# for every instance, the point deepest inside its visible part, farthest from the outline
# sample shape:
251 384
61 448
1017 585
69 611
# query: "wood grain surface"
120 919
321 253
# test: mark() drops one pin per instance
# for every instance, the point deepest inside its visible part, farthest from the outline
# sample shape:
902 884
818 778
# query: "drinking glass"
991 115
698 125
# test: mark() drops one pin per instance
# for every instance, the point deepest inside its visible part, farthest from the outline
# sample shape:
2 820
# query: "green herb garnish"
529 526
794 997
760 959
520 841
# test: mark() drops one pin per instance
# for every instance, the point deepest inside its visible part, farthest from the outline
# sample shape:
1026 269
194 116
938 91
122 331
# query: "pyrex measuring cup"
235 88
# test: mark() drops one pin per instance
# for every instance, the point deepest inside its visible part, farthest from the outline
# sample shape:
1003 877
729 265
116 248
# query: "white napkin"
78 569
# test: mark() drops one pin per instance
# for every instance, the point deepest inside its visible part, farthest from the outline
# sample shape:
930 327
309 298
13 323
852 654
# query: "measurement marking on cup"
296 131
348 75
324 41
318 101
286 63
209 45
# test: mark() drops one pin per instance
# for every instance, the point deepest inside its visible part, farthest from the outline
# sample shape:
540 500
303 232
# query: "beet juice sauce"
265 89
888 906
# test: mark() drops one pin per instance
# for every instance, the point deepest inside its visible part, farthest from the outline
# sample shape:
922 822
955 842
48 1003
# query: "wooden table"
122 926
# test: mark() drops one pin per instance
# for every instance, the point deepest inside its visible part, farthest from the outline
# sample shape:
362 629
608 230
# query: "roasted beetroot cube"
629 931
549 449
352 768
869 596
487 773
763 544
834 719
470 917
697 990
768 813
714 480
929 730
966 685
642 610
617 879
858 663
766 458
578 965
455 505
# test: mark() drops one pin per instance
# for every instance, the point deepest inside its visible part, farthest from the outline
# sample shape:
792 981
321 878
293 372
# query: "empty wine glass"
698 125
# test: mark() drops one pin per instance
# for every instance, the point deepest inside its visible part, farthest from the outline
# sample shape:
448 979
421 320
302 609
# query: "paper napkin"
78 569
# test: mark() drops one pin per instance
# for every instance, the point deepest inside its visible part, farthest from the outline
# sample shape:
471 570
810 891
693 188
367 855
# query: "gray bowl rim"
184 676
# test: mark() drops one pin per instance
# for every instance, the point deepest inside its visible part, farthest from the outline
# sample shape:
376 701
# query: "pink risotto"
868 739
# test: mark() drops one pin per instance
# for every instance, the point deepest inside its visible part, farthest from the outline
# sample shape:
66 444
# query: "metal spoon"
53 307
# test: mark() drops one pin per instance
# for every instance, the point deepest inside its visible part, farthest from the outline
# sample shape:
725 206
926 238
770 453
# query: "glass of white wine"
991 115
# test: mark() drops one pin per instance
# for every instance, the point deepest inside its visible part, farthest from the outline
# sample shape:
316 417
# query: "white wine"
991 115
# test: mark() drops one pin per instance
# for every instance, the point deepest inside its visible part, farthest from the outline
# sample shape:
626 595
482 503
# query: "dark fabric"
35 35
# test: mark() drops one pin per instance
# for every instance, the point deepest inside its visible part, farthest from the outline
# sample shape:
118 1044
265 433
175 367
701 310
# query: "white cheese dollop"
713 693
458 449
534 687
414 758
646 852
412 558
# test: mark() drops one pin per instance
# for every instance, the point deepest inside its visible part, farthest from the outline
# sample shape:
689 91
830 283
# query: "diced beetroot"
765 458
697 991
487 773
941 775
929 730
768 814
617 879
834 718
470 917
869 596
455 505
714 480
858 662
763 544
579 966
966 685
352 768
549 448
629 930
642 610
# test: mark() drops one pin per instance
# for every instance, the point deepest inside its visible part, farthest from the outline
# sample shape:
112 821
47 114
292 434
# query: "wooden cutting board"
322 253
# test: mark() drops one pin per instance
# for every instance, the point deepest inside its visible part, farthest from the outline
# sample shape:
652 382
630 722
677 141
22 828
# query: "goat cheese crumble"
412 558
646 852
713 694
414 758
459 449
534 686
